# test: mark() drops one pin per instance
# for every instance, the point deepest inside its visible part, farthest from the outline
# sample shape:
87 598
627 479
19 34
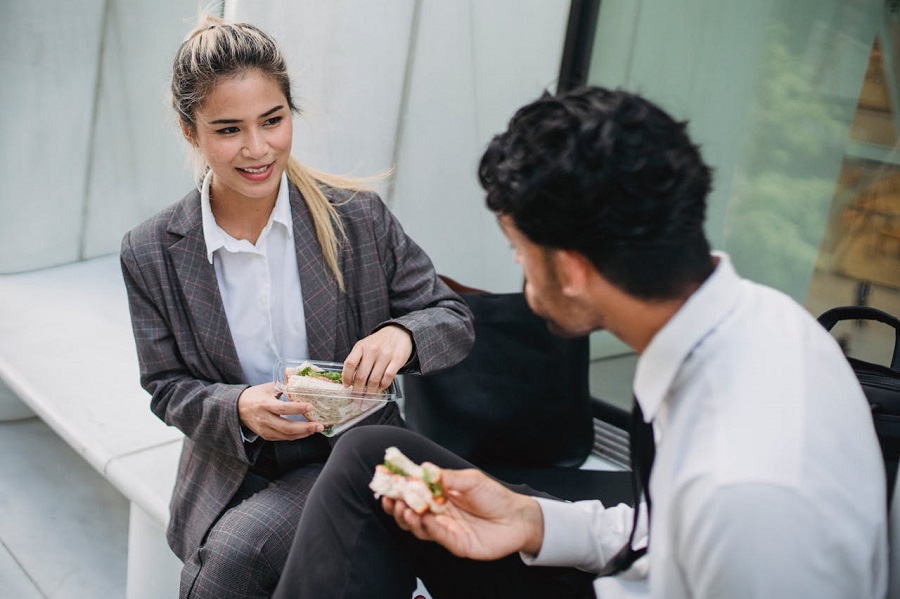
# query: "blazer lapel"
320 290
197 278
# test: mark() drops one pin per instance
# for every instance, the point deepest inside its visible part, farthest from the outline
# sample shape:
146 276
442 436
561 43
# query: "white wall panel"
475 64
347 60
140 162
48 74
436 194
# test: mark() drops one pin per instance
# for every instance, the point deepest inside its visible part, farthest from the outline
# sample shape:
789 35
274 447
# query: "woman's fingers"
375 360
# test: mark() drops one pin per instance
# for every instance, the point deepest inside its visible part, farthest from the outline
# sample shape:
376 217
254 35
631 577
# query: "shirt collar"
281 213
658 366
216 238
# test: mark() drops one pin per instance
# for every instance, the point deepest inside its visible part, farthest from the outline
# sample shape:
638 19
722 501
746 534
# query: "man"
767 479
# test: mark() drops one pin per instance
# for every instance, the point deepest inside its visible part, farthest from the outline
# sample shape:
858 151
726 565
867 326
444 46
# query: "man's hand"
375 360
261 411
484 520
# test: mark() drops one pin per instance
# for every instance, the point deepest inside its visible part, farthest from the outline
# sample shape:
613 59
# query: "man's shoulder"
749 394
766 326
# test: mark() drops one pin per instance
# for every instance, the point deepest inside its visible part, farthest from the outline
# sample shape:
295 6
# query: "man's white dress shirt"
768 479
260 287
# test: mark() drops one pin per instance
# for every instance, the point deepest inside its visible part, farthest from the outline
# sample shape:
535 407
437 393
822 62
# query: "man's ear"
187 132
573 271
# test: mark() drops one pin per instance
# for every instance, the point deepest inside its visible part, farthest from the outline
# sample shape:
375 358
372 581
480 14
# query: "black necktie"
643 450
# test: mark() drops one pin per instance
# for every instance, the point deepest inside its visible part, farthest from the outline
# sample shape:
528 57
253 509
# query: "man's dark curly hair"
612 176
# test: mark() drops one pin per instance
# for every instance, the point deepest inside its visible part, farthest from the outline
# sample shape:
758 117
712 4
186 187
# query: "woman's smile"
256 173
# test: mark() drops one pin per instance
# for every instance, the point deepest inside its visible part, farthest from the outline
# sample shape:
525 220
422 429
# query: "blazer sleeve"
186 392
439 321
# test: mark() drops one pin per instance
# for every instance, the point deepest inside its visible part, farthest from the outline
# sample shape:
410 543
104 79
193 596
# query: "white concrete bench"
67 352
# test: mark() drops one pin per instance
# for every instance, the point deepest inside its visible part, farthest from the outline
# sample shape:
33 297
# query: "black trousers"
346 546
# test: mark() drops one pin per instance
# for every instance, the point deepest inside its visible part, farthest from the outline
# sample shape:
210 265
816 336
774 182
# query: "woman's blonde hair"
217 49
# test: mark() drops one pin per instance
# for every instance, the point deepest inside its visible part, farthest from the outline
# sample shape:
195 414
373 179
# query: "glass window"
796 110
858 261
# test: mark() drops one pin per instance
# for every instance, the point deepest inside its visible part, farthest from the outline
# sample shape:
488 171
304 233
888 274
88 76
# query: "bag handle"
831 317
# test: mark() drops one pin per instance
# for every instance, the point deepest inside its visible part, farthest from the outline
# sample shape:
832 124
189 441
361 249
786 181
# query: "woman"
267 259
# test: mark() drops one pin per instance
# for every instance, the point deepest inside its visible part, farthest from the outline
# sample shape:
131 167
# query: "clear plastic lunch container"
335 406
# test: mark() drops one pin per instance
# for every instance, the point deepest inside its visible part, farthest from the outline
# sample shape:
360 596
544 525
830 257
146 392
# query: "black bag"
521 397
881 384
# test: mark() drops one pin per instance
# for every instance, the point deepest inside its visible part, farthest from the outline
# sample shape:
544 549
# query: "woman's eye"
227 130
273 121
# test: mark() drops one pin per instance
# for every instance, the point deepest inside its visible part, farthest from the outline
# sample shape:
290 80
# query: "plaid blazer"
188 361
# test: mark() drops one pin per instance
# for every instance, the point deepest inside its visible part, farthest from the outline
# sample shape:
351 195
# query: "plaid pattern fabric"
188 362
245 551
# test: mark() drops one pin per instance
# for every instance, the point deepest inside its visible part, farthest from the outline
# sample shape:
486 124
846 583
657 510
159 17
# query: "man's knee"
352 463
366 444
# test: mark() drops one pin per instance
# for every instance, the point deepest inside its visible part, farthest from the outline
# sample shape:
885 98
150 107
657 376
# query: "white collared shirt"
768 480
260 287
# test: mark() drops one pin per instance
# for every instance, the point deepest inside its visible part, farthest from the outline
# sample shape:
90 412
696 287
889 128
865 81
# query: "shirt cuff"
582 535
248 436
567 535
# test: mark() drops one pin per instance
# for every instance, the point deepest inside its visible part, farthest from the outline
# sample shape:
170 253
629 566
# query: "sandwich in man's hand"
419 486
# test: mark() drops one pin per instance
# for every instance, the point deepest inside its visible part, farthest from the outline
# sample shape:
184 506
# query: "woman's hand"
375 360
261 411
484 520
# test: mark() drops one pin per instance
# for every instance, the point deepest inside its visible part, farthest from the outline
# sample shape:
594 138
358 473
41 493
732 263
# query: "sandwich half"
332 402
419 486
